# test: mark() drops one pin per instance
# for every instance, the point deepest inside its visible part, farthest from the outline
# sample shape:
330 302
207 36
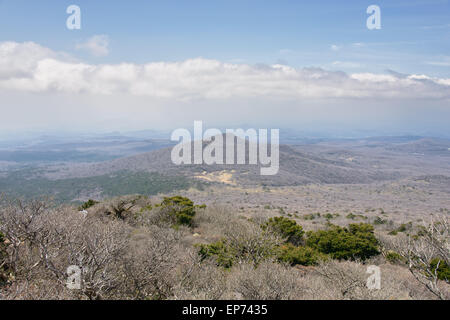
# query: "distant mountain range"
356 161
116 166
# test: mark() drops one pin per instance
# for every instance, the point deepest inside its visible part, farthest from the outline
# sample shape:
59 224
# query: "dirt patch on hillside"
225 177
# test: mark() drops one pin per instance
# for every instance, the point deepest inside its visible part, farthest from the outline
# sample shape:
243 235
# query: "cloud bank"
29 67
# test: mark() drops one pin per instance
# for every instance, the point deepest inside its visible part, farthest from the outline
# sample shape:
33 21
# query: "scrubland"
138 247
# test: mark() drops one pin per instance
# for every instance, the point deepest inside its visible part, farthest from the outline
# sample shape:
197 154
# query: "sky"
311 65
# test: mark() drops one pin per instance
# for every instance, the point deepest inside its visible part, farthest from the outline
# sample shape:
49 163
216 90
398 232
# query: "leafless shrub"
213 220
28 228
333 280
269 281
121 207
201 281
151 264
431 242
250 243
345 279
348 281
131 255
97 250
44 241
400 284
159 217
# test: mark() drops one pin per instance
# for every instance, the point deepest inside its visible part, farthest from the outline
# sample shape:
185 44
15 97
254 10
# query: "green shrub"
253 248
404 227
88 204
355 242
304 256
179 209
287 228
421 231
148 207
351 216
219 251
311 216
379 220
443 271
393 257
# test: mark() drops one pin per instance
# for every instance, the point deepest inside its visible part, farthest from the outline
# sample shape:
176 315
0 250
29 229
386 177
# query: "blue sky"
137 65
415 35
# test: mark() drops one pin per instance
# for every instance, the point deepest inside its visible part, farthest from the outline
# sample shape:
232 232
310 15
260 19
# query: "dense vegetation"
301 255
442 269
287 228
28 184
357 241
179 210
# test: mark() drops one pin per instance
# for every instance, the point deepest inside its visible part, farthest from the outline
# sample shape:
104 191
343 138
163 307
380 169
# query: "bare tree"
269 281
250 243
431 242
151 263
201 280
345 278
121 207
44 241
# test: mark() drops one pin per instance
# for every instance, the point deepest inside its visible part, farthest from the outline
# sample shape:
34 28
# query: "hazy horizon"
315 68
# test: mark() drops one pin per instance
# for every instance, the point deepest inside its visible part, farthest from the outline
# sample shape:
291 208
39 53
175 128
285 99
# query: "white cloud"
19 60
96 45
28 67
